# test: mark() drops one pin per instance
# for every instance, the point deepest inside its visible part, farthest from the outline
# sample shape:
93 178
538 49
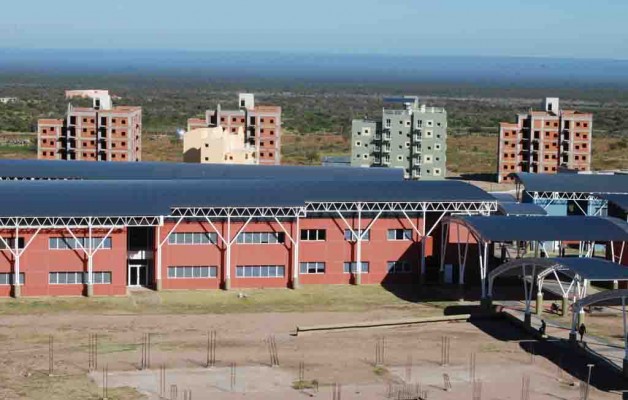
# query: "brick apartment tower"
261 124
544 141
100 133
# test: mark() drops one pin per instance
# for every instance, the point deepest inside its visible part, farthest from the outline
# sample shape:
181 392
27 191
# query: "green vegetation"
308 298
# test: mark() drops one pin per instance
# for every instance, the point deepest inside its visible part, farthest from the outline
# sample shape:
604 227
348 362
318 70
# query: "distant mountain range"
322 67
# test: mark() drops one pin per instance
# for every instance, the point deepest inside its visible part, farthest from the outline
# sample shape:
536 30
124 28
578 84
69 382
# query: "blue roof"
546 228
508 205
619 200
573 183
58 169
594 269
157 197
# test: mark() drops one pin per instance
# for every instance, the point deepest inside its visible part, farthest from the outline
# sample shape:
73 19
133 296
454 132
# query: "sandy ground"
412 356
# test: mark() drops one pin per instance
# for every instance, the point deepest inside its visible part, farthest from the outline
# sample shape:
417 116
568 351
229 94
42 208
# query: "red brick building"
99 133
544 141
261 124
209 234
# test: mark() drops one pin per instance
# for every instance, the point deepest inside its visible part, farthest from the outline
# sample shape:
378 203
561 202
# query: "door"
137 275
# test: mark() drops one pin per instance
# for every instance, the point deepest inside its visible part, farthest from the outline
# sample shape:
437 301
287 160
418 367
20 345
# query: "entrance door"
137 275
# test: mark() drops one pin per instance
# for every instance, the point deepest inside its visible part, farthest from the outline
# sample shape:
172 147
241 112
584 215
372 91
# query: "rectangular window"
61 243
260 271
350 267
192 272
398 267
260 238
314 234
351 236
6 278
65 278
11 243
312 268
399 234
193 238
99 278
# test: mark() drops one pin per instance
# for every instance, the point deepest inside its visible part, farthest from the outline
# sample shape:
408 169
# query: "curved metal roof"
544 228
592 269
620 200
573 183
58 169
508 205
66 198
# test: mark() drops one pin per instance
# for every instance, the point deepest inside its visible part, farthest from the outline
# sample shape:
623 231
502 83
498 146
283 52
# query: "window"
388 122
61 243
78 278
427 159
312 268
399 234
313 234
350 267
10 242
429 134
429 123
260 238
437 146
6 278
419 123
366 131
260 271
193 238
436 171
397 267
358 143
194 272
349 236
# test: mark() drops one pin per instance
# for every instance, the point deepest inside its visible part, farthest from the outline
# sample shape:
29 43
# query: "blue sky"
557 28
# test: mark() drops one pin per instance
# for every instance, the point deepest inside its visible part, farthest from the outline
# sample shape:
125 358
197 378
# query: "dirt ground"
411 357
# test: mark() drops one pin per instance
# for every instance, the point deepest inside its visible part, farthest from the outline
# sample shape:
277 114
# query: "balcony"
386 149
140 255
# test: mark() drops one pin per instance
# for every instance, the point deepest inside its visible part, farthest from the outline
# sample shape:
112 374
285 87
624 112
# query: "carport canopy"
543 228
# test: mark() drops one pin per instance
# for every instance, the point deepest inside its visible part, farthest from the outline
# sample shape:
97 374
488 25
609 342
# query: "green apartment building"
413 138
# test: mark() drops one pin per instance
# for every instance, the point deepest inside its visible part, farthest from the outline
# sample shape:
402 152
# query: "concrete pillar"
357 278
573 337
158 285
17 291
90 290
527 320
539 303
227 285
295 282
564 306
615 285
581 317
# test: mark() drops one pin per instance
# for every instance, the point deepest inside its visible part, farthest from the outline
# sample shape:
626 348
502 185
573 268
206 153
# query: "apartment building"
217 146
413 139
544 141
98 133
261 125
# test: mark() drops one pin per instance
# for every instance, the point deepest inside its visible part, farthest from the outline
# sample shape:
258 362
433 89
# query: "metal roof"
65 198
573 183
545 228
620 200
593 269
59 169
508 205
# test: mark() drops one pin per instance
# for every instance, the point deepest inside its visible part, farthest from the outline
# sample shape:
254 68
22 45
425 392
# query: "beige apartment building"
217 146
261 125
98 133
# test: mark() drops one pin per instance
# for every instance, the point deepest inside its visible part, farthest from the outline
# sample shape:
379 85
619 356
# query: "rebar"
472 367
380 346
477 390
162 380
93 352
51 355
525 388
105 382
145 358
301 371
445 347
446 382
211 349
337 391
272 350
233 376
187 394
174 392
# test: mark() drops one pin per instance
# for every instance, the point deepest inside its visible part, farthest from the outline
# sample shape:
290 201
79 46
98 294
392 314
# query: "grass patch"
305 384
380 370
309 298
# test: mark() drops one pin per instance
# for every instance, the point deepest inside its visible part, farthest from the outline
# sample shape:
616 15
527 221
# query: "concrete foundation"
17 291
573 337
527 320
295 283
90 290
539 303
564 307
227 285
357 279
158 285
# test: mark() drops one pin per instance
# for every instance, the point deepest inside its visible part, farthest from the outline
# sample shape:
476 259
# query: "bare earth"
412 355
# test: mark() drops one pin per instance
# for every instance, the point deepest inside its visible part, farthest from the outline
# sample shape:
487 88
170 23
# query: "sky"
535 28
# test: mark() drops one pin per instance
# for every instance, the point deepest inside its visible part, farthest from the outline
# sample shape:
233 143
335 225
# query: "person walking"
582 330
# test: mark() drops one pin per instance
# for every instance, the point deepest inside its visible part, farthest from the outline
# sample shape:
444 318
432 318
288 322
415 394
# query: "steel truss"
479 207
238 212
566 196
77 222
